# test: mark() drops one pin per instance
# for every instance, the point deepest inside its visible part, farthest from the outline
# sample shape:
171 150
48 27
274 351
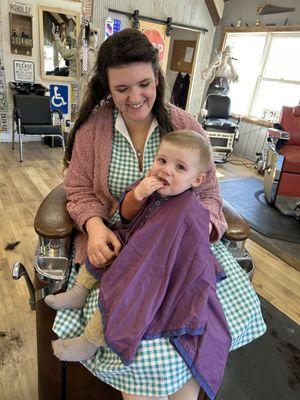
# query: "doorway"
183 55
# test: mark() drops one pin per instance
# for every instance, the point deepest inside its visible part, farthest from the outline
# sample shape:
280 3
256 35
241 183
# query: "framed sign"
23 71
183 55
21 34
20 8
270 115
59 46
59 95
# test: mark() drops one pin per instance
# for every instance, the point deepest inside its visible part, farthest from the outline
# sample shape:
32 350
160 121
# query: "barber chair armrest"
238 228
52 219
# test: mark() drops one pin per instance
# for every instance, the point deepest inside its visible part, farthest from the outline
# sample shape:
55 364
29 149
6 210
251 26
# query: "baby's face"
177 168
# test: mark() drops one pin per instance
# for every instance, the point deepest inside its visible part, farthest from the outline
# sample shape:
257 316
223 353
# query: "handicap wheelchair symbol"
59 98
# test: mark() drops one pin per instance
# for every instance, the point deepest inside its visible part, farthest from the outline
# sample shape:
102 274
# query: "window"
268 65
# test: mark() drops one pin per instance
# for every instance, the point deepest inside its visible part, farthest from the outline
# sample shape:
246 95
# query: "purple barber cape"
163 284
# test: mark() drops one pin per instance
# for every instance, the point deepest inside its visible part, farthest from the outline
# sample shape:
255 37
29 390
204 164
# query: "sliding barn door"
156 33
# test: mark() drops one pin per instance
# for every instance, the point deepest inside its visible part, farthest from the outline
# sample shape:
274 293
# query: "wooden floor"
23 186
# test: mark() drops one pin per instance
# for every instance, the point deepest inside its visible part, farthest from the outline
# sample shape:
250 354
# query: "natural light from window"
268 65
248 51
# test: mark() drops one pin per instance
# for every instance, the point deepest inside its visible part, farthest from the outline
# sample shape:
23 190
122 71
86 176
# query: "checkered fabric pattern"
239 301
124 168
158 370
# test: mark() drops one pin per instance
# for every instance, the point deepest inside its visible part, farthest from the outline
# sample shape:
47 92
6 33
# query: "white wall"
8 57
188 12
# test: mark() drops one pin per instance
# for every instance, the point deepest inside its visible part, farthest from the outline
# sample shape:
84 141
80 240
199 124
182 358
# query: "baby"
180 165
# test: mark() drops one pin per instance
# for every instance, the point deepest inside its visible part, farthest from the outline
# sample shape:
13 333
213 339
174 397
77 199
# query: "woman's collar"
121 127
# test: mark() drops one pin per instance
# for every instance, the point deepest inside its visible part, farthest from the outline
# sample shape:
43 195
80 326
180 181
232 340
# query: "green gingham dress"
158 370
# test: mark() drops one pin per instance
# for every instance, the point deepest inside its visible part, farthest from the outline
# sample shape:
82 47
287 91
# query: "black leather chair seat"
41 129
220 124
32 116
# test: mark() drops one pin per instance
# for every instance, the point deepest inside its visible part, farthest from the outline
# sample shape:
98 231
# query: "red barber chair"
53 224
282 173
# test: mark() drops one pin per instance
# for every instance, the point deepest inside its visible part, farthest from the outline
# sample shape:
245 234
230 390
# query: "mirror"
59 43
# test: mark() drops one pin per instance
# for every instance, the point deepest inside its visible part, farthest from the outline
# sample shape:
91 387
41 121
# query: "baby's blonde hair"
193 141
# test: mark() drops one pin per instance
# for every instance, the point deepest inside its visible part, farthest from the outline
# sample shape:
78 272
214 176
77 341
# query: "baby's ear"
199 180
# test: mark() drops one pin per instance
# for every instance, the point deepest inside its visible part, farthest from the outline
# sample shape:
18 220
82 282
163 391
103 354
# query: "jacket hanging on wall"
180 90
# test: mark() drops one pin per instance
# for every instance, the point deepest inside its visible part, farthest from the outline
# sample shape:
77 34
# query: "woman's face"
133 89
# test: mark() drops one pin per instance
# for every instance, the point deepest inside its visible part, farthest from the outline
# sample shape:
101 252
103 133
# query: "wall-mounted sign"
21 34
87 6
20 8
59 98
270 115
74 100
183 56
109 28
23 71
157 40
3 122
3 98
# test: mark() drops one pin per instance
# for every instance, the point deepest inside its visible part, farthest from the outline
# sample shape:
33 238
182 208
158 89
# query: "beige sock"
73 298
76 349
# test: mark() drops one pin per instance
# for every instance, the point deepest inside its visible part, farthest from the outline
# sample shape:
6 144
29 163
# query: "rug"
269 367
246 195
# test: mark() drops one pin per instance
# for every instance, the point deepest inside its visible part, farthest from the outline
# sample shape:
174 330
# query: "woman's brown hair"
122 48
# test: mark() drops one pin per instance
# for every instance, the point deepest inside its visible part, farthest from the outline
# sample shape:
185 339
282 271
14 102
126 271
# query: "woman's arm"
83 203
209 194
85 207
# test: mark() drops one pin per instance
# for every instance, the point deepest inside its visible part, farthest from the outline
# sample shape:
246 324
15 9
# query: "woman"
112 145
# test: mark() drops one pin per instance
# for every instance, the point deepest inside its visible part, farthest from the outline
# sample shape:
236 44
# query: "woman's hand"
103 244
146 187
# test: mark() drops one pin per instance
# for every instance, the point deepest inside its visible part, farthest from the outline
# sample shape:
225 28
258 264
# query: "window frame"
270 31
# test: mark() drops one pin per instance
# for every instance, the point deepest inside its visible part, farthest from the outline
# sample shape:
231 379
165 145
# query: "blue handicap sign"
59 98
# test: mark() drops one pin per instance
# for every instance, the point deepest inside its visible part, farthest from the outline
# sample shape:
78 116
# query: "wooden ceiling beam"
210 4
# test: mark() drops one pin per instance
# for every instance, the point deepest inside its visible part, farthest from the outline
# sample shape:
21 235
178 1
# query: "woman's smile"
137 106
133 89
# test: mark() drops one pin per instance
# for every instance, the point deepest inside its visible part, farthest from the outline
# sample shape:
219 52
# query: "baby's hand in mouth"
163 181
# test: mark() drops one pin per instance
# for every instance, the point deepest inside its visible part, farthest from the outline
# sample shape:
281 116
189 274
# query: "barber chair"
55 228
282 171
221 130
32 116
